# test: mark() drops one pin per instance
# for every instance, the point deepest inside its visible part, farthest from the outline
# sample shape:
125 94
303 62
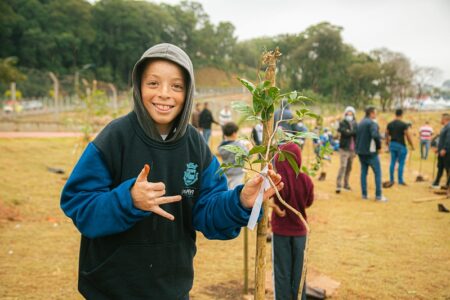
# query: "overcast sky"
418 28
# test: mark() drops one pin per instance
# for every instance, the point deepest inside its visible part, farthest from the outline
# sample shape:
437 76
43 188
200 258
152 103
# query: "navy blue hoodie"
127 253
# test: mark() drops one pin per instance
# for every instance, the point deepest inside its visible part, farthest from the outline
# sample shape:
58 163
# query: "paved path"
40 134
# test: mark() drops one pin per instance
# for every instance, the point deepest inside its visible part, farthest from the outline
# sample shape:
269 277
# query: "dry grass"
396 250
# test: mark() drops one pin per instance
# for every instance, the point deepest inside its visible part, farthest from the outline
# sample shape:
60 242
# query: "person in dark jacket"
443 152
368 145
205 121
124 194
347 143
289 233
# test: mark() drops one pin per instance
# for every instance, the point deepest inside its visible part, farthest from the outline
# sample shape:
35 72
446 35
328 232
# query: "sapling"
266 97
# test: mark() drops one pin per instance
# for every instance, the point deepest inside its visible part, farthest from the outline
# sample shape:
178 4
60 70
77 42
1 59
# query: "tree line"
103 41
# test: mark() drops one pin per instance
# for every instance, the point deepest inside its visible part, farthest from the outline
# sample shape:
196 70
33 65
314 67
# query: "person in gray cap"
144 186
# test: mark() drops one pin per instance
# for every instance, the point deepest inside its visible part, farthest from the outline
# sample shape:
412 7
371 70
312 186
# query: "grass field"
395 250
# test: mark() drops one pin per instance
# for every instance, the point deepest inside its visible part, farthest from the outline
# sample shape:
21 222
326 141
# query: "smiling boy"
145 185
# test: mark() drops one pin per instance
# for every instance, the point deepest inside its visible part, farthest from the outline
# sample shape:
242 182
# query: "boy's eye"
178 87
152 83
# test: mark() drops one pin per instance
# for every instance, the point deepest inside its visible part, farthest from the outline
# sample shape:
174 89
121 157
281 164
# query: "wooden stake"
270 59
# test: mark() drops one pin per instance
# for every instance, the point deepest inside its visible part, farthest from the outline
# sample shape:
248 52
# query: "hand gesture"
251 188
148 196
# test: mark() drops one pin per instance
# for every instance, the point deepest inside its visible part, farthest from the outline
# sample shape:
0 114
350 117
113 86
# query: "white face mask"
349 118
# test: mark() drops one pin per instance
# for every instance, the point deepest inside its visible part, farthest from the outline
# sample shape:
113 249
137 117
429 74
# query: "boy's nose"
165 91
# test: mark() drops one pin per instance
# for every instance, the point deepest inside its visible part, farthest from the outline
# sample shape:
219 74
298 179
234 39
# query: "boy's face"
163 92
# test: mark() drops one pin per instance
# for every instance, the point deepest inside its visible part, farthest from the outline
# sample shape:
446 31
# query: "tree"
9 72
396 76
425 76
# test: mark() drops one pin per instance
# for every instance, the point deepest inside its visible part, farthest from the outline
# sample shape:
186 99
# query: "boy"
235 176
145 184
289 233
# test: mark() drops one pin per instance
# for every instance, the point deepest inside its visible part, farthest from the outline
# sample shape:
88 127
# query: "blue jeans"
206 134
398 153
370 160
424 147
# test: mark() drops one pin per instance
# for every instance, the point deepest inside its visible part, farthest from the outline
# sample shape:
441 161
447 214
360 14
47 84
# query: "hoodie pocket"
144 272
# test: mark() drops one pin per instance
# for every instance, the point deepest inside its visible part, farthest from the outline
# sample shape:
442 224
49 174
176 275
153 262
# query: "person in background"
443 151
235 176
289 233
205 121
196 116
396 132
284 115
425 132
347 129
257 134
225 116
368 145
301 127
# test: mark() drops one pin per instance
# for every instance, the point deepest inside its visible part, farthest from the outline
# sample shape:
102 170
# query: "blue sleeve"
218 212
374 132
95 208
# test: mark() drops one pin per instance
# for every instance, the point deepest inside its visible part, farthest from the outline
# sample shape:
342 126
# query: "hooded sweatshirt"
128 253
298 191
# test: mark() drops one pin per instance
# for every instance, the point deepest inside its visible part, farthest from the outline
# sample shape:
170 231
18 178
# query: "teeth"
163 107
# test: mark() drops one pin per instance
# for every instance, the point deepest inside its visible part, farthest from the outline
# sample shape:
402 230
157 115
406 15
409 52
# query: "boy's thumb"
144 173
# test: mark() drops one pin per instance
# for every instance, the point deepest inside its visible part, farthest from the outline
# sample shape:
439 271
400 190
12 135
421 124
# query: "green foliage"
265 98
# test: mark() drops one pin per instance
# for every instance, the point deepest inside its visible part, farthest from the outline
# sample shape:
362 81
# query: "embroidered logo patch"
191 174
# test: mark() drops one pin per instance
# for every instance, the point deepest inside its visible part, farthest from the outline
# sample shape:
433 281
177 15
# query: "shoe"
442 208
381 199
348 188
364 198
435 187
388 184
404 184
338 190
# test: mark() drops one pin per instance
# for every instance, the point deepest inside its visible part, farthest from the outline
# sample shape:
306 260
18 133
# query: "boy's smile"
163 92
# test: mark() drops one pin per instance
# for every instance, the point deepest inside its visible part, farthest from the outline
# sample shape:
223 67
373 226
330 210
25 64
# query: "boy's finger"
144 174
169 199
159 211
156 186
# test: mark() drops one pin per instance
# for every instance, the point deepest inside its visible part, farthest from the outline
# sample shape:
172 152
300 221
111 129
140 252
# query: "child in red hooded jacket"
289 233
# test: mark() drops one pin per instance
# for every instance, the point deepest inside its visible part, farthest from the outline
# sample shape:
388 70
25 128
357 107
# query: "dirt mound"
8 213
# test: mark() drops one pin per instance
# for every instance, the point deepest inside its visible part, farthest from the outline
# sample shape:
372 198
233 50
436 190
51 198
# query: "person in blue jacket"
144 186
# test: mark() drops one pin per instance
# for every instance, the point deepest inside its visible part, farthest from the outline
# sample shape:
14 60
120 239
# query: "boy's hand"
251 188
148 196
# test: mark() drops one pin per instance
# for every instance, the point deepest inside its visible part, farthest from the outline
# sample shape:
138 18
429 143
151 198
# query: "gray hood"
174 54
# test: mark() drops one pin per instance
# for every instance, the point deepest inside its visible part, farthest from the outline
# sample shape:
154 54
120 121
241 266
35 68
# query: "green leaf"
263 85
266 114
253 118
243 109
235 149
249 85
292 162
258 149
258 105
273 92
281 156
306 135
258 161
